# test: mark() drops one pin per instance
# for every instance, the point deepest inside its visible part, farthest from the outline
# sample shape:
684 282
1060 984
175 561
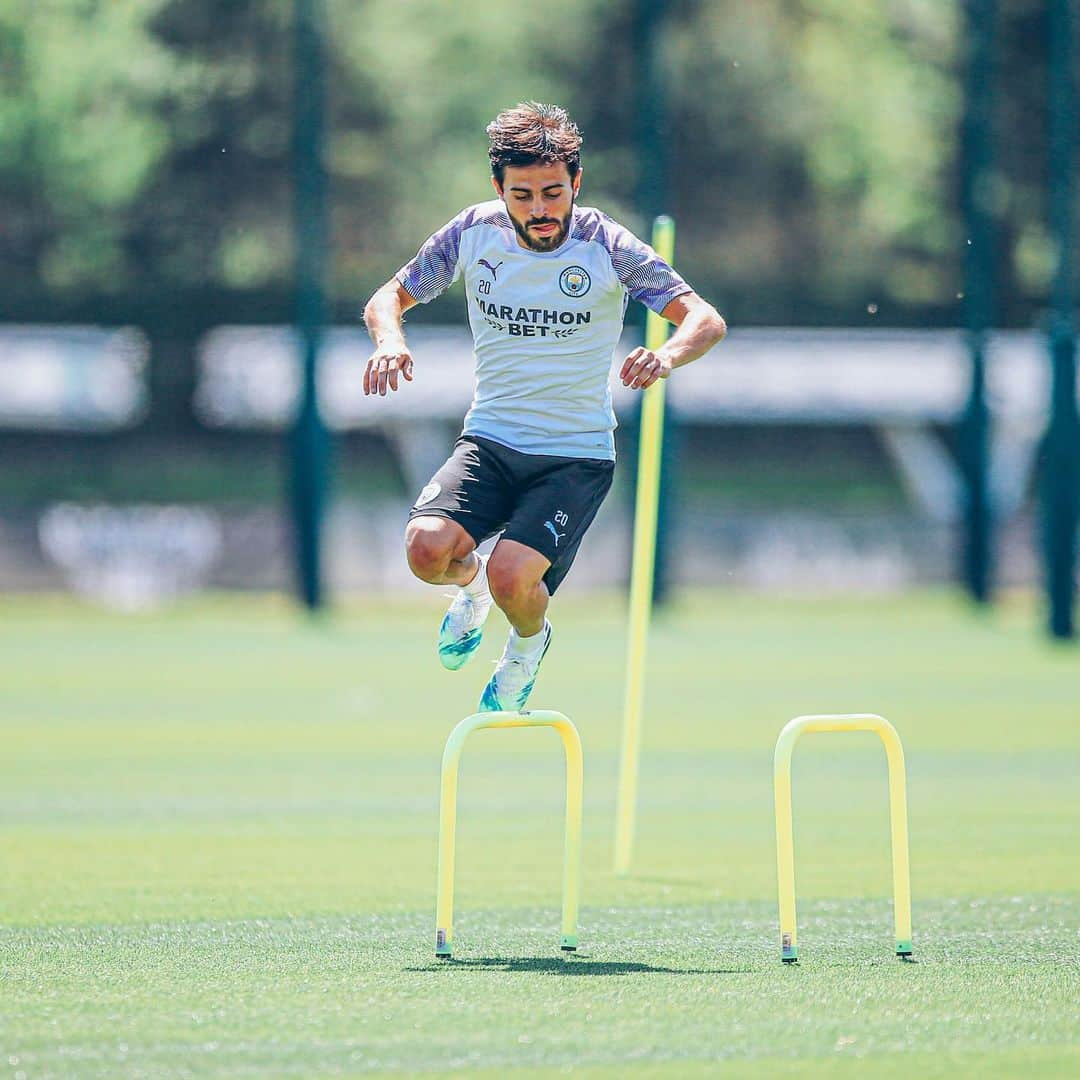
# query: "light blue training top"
545 324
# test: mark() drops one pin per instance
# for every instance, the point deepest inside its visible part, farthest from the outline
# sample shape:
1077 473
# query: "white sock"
478 587
528 647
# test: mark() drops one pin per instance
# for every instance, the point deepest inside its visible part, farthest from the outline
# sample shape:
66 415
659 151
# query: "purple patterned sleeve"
645 276
435 267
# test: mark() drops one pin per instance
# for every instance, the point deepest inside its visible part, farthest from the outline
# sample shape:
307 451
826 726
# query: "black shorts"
544 502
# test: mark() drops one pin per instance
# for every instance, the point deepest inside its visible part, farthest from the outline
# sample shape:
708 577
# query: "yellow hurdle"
455 744
642 571
785 844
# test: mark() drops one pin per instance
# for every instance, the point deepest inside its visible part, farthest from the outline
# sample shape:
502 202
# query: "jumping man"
547 284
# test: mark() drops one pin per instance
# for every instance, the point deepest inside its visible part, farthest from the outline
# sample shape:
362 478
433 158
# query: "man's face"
540 202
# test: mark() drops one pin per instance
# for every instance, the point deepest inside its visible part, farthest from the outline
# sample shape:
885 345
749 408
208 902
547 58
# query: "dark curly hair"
532 133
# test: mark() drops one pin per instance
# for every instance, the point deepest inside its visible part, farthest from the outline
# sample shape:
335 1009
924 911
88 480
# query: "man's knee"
512 580
431 543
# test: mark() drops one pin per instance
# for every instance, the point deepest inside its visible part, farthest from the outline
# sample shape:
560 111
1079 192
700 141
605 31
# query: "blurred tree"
813 149
81 135
145 145
218 212
144 148
1027 256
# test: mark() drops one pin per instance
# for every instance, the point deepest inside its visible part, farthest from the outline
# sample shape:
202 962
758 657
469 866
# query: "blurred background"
875 193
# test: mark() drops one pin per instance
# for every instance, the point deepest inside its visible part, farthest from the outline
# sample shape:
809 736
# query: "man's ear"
497 186
577 180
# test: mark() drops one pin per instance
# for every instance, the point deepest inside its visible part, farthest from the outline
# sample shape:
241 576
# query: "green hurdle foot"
904 950
789 951
569 943
442 945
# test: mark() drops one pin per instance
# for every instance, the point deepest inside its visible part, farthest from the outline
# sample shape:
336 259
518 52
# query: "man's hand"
391 358
386 364
642 368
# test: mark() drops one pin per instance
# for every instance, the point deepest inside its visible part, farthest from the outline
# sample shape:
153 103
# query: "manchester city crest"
575 281
429 493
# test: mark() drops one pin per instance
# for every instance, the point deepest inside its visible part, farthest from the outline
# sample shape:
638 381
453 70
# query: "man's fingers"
651 369
628 362
382 373
399 365
637 368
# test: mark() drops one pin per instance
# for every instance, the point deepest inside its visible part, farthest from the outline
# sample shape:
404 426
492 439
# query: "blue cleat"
510 686
463 628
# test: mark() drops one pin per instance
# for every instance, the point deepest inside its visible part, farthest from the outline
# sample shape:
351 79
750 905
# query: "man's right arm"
391 358
424 277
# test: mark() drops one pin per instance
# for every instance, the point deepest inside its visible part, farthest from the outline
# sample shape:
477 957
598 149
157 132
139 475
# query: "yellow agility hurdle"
455 744
785 844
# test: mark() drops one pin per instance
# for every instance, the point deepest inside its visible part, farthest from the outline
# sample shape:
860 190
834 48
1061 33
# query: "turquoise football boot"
463 628
510 686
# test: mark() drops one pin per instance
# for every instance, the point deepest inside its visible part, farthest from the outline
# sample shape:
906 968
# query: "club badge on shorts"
428 493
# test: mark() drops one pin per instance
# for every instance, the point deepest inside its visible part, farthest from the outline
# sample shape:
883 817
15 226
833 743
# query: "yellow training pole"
444 910
785 843
642 570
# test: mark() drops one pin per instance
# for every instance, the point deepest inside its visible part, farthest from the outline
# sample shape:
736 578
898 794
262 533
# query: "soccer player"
547 283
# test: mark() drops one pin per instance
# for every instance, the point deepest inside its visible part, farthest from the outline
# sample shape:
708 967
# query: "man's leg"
440 551
549 519
515 577
467 499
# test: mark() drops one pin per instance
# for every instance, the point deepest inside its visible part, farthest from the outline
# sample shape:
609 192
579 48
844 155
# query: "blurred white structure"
132 558
72 378
904 384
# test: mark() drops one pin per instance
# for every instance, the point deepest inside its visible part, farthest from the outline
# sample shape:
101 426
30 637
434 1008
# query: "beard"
544 243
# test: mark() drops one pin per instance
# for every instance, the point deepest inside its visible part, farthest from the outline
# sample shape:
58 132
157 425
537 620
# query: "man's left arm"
699 327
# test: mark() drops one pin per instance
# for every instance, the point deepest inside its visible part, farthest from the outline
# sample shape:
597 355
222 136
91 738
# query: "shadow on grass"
579 965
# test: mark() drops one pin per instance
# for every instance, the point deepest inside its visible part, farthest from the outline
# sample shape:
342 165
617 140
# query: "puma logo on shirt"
494 269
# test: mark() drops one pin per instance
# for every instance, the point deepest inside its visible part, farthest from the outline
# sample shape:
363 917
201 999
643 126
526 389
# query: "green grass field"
218 832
